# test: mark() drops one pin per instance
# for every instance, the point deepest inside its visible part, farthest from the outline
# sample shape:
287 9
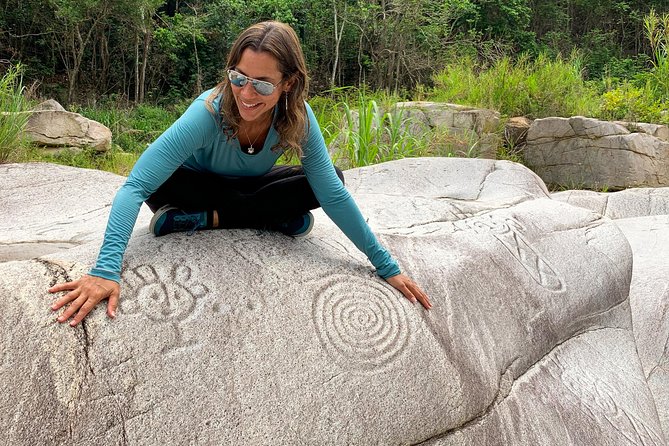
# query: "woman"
214 168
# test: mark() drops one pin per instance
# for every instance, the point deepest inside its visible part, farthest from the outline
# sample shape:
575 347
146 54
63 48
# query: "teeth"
248 105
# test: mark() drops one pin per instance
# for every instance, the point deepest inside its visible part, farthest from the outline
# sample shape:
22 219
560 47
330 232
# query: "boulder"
659 131
49 104
59 129
515 131
643 216
248 337
649 301
629 203
49 208
474 129
582 152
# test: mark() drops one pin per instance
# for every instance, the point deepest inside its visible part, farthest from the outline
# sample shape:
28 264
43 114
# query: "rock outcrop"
643 216
474 129
247 337
582 152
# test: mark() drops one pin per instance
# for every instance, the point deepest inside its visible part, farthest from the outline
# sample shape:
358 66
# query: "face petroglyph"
169 298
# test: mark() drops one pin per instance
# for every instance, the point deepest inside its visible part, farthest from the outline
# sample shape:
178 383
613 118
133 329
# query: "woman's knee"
340 174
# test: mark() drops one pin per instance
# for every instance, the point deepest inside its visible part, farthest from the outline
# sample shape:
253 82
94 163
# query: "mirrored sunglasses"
263 88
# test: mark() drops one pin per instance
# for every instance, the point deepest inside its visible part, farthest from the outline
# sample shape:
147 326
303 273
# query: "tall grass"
537 88
12 117
371 135
657 32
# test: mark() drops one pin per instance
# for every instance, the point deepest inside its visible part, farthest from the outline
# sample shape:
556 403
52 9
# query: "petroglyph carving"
169 299
591 393
360 323
508 231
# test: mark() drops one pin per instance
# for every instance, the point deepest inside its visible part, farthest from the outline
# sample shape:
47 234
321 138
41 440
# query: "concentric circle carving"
360 323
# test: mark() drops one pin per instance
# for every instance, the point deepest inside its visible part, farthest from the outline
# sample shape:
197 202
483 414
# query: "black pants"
241 202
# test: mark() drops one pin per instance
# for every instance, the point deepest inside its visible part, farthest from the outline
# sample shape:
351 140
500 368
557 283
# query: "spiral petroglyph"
360 323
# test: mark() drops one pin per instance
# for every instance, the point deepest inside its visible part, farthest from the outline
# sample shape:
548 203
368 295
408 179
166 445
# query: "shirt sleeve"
158 162
338 203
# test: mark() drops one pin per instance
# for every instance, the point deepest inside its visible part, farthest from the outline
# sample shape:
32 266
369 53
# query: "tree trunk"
136 68
145 61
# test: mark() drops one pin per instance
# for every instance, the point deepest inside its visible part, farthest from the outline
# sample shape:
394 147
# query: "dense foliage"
134 50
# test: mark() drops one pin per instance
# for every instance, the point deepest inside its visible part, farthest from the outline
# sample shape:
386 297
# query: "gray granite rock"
476 128
247 337
48 208
580 152
638 202
649 300
60 129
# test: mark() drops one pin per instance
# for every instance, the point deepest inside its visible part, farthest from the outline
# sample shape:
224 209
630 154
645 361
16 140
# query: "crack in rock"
505 389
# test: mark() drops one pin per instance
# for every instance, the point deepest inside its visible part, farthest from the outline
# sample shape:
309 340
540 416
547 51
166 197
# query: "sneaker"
169 219
297 227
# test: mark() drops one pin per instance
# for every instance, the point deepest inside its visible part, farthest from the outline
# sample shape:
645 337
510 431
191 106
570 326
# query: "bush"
372 135
630 103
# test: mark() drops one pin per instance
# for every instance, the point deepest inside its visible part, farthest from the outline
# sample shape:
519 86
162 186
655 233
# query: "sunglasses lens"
236 79
263 88
239 80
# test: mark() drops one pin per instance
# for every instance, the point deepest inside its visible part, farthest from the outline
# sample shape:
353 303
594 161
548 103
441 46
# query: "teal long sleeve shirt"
195 141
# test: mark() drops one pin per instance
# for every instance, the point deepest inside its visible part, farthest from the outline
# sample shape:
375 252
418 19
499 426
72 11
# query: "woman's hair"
279 40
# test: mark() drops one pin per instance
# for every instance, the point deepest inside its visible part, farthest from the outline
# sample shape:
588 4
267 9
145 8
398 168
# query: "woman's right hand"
84 294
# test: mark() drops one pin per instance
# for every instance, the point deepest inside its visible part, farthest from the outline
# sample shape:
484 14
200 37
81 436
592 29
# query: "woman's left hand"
410 289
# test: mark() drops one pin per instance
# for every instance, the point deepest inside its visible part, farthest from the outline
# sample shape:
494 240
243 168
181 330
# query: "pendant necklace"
250 150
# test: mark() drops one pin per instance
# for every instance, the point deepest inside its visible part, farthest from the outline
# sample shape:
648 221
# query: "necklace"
250 150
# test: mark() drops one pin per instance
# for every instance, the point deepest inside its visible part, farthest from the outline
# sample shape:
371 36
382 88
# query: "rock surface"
515 131
627 203
649 300
582 152
59 129
247 337
474 128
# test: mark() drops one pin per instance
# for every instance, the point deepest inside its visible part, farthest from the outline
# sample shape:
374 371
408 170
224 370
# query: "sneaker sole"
159 213
309 228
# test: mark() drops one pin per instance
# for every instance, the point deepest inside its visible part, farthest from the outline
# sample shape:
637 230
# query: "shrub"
372 135
630 103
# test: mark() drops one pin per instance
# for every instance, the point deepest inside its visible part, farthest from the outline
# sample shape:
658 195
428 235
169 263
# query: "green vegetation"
134 66
536 88
645 97
12 118
371 135
162 51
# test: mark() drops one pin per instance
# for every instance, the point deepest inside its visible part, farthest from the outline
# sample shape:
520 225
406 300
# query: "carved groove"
360 323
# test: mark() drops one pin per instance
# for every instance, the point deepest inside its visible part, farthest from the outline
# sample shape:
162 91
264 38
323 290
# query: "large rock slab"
582 152
49 208
639 202
247 337
649 299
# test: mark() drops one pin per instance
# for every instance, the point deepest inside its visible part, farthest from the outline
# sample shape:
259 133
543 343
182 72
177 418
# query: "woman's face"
254 107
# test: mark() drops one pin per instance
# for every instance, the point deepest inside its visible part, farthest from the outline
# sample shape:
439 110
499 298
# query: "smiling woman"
215 168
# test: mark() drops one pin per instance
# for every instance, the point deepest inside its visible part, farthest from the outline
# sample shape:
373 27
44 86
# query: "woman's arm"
193 130
338 204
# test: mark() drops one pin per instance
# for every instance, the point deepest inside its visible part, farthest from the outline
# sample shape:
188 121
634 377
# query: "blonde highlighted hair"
279 40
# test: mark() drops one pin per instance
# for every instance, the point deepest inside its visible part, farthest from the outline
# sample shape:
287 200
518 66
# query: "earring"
286 102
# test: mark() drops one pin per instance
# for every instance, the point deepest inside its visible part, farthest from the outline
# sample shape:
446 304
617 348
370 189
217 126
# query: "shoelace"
195 228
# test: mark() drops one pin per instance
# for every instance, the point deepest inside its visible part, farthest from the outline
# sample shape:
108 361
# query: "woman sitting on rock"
215 168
